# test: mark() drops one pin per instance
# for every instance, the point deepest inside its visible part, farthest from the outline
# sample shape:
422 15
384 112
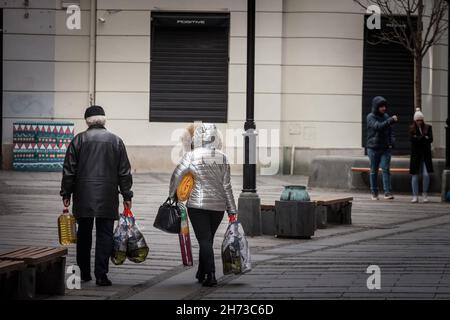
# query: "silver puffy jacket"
211 171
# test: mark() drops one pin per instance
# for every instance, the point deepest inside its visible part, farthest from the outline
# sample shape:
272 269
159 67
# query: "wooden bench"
10 277
393 170
328 209
331 209
45 270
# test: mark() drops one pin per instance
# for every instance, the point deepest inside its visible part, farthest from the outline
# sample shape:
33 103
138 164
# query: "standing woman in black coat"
421 135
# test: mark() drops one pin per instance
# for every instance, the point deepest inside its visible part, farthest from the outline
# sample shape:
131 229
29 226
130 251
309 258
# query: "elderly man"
96 168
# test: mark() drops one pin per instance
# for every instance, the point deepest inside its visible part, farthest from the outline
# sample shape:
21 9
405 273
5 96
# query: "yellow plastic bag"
185 187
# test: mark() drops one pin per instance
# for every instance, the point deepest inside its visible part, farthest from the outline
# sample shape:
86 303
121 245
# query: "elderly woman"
211 194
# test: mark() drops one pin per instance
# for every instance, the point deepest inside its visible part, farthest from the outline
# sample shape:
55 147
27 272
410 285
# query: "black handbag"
168 218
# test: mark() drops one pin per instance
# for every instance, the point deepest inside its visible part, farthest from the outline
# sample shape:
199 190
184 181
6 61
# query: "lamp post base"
445 184
250 213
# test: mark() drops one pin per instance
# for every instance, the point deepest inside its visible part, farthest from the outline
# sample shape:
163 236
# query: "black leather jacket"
96 167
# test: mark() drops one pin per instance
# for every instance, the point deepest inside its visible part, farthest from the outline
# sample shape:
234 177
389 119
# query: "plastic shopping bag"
119 253
235 250
137 249
128 241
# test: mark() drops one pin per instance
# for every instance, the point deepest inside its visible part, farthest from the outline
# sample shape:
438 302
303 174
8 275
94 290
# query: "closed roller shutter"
389 72
189 67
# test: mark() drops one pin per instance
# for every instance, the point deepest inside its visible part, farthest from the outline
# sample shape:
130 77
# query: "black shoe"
86 278
210 280
103 281
388 196
200 276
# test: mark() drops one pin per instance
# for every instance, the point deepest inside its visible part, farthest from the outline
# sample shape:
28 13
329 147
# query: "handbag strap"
127 212
171 202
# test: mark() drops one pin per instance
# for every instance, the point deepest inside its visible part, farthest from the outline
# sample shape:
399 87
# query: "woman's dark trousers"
205 223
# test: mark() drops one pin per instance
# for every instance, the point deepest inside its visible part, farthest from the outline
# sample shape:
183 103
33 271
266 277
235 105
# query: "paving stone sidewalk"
414 265
30 204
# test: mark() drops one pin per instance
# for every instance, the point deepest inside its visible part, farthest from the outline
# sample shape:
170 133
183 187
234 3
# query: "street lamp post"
249 201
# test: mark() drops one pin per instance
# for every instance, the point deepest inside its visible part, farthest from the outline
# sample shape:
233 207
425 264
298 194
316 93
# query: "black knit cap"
94 111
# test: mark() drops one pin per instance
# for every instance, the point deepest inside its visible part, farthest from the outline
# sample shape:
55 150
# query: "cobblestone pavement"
413 264
407 241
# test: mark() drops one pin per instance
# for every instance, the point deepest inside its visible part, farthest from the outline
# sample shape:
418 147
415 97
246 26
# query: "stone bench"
335 172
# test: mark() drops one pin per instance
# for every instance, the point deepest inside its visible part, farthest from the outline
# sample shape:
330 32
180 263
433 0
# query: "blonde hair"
187 137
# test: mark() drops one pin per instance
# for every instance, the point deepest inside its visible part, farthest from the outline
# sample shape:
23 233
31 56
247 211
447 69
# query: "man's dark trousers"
103 245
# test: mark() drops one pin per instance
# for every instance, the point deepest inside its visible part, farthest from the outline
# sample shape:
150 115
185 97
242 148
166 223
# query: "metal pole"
249 201
92 51
249 183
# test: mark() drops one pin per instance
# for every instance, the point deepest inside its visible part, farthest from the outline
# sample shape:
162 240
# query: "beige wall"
308 72
123 73
322 74
123 56
47 68
45 74
434 90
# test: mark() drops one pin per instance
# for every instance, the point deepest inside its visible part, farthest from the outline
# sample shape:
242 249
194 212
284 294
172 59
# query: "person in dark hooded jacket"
380 141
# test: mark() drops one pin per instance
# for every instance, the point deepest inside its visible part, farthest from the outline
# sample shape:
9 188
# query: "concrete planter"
295 219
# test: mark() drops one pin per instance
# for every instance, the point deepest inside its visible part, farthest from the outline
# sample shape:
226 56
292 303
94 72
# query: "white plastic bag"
235 250
119 253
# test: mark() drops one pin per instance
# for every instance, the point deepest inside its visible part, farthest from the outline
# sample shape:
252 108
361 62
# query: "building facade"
309 90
